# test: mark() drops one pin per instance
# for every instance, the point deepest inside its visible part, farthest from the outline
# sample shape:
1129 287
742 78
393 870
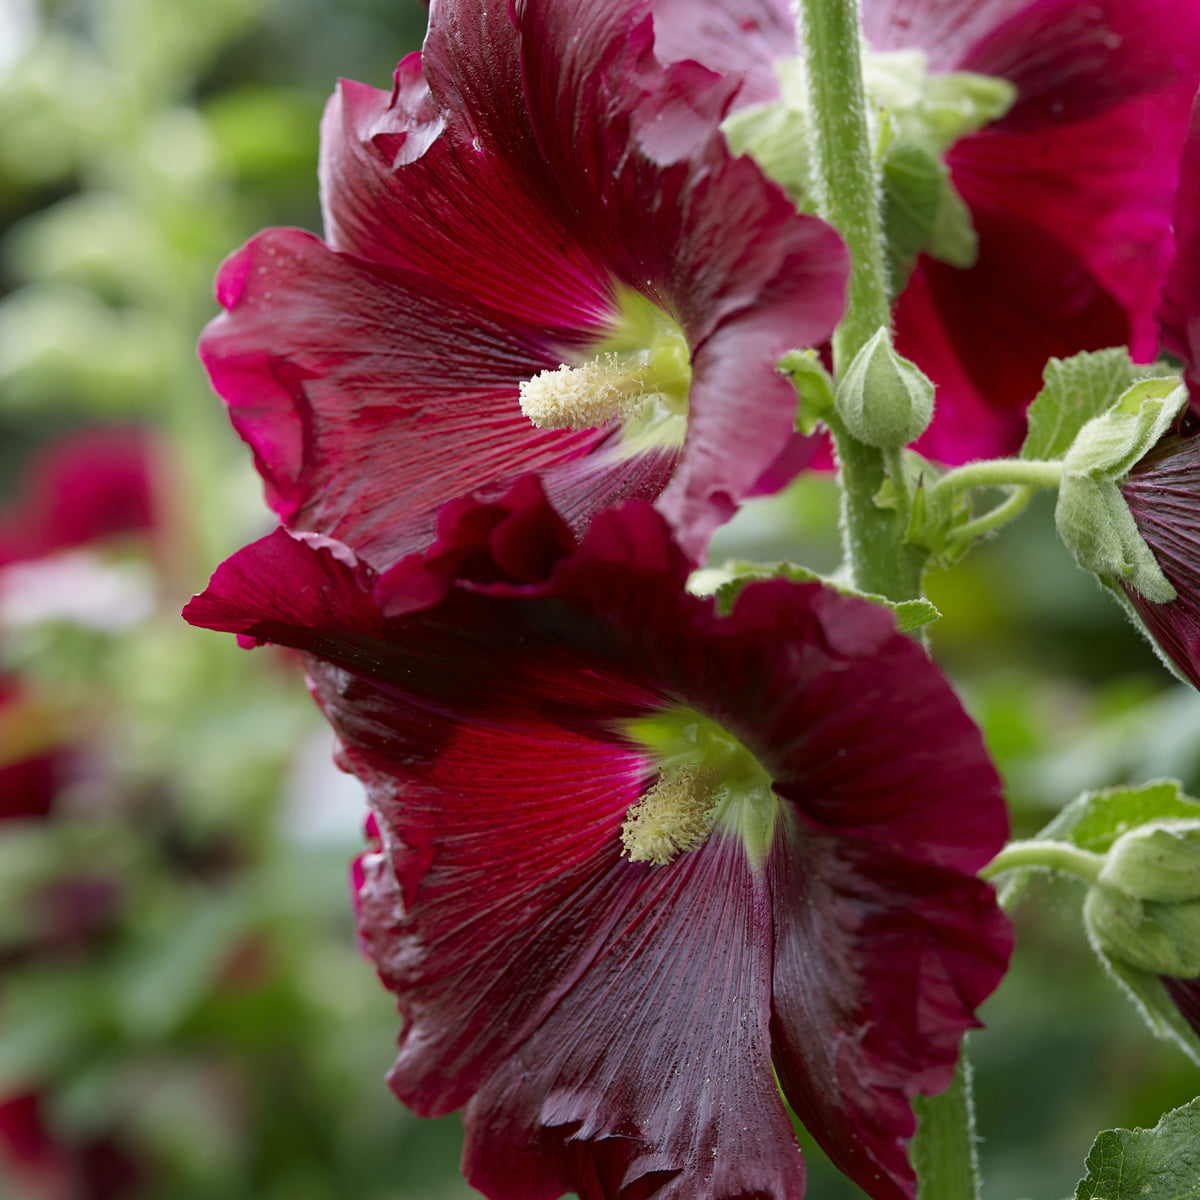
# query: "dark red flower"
1163 489
90 484
635 853
537 190
46 1165
1185 993
1163 494
1070 192
1180 308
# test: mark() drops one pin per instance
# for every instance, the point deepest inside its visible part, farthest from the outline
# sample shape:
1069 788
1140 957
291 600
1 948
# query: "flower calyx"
1144 908
1093 517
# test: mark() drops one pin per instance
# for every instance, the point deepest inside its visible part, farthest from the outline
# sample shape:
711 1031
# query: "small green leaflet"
1074 390
1096 819
1162 1163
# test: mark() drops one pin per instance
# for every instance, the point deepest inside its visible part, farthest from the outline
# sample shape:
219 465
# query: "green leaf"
813 384
1096 819
1074 390
1162 1163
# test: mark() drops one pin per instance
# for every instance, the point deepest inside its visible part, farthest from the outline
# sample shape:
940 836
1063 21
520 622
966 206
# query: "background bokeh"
184 1012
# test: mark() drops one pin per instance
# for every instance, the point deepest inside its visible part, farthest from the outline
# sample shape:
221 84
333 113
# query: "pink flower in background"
87 485
1162 490
1070 193
538 191
635 854
48 1166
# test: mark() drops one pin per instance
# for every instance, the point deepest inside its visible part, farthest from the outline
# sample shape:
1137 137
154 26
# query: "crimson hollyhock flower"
47 1166
635 853
1162 493
1179 311
1070 192
90 484
540 224
1163 487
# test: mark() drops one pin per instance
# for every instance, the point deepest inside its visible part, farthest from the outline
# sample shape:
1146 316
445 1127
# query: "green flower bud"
884 400
1093 518
1144 909
1159 861
1163 939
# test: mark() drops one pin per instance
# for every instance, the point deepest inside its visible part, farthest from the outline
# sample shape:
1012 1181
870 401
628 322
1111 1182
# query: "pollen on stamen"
674 816
584 397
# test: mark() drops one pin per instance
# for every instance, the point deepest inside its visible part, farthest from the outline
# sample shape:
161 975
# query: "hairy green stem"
943 1151
1012 506
1048 855
998 472
847 195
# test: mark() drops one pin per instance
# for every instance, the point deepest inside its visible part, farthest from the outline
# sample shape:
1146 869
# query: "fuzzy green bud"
884 400
1144 909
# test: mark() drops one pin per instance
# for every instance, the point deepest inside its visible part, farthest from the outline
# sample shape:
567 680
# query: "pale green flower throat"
708 781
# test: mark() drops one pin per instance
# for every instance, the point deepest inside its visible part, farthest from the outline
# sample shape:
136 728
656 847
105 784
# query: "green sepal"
909 614
1093 520
912 181
814 387
933 110
1163 939
1153 1003
1162 1163
1074 390
934 516
885 400
1159 861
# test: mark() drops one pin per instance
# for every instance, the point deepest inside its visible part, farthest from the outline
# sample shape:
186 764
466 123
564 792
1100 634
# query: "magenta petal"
88 485
1180 309
652 1076
293 589
369 400
736 37
456 212
907 952
1070 194
488 220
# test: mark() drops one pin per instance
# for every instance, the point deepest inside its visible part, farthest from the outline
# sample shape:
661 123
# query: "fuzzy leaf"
1075 390
1162 1163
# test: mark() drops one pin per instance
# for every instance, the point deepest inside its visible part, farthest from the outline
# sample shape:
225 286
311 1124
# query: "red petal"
370 397
1180 309
880 962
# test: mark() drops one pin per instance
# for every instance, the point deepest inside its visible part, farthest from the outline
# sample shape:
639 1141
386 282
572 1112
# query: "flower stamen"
674 816
587 396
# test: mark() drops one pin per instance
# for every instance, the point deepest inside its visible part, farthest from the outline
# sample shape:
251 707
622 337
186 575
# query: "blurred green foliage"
212 1014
